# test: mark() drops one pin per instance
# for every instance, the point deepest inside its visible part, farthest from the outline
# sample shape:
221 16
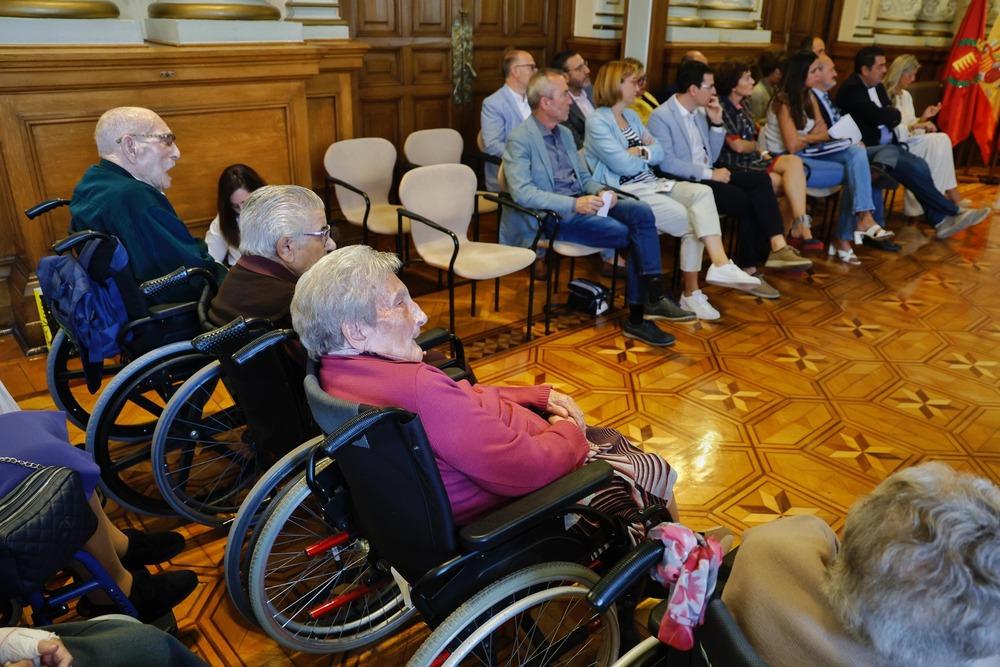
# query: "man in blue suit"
544 171
690 127
504 110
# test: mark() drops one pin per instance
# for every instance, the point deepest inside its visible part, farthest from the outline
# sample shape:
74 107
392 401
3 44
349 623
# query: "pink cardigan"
488 444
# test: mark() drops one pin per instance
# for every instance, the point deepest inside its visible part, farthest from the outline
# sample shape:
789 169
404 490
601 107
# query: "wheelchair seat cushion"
41 437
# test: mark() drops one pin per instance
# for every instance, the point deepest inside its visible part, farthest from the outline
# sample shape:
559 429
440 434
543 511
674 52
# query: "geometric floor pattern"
791 406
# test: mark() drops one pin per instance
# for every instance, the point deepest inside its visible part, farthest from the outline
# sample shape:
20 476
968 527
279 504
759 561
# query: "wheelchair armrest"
635 565
73 240
224 338
255 347
44 207
539 505
164 310
433 338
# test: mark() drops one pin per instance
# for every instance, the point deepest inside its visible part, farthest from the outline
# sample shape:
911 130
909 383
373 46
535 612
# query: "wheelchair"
149 328
368 539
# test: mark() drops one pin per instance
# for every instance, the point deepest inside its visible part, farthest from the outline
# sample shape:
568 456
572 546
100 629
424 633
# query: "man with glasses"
577 73
283 232
504 110
123 196
690 127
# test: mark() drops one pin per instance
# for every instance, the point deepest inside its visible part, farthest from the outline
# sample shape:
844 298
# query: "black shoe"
648 333
152 595
888 245
665 309
150 548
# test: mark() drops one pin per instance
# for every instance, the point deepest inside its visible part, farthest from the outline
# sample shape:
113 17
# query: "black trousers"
750 196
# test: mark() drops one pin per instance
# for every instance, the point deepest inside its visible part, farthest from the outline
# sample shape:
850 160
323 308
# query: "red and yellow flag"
964 104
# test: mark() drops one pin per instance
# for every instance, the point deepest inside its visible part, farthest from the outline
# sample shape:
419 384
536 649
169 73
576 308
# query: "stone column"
897 22
708 21
55 22
180 22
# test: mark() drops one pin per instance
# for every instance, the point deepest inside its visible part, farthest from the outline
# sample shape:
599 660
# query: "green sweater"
108 199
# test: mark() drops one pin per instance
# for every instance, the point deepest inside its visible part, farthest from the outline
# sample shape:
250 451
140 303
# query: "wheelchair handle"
624 574
255 347
181 276
230 335
73 240
44 207
351 431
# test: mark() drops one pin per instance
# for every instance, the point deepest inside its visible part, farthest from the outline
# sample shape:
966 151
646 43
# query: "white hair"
120 121
274 211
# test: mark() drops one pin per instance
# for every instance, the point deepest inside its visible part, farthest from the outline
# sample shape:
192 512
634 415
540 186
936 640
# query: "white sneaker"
698 304
730 275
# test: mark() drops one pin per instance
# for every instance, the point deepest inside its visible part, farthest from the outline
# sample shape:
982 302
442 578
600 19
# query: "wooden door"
405 82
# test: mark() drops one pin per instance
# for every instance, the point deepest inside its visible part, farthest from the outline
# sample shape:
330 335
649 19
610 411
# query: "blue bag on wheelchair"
84 294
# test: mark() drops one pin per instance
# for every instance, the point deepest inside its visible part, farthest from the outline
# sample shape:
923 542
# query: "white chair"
361 171
443 145
440 199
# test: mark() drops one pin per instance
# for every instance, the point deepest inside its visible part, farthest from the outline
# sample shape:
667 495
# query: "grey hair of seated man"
342 287
918 574
120 121
542 84
272 212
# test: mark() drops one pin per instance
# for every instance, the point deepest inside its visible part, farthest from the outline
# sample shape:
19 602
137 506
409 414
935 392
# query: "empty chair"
440 198
361 171
443 145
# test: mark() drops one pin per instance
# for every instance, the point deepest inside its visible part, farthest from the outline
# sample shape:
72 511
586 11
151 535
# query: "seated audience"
123 196
769 63
356 318
103 642
741 151
689 56
223 237
644 103
690 127
502 112
864 97
794 123
921 135
42 438
545 172
283 233
915 581
577 73
620 152
813 44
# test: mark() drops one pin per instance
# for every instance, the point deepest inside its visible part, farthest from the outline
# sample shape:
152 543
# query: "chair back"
396 497
722 639
368 164
443 193
440 145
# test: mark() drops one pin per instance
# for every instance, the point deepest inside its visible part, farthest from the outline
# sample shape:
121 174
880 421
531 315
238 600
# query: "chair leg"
451 300
531 300
552 261
496 296
675 277
614 282
473 313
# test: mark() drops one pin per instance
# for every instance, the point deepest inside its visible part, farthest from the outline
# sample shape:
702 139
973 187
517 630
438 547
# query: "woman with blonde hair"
921 135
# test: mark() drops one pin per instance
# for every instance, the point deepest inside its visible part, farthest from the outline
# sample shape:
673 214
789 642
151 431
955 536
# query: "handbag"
43 522
588 296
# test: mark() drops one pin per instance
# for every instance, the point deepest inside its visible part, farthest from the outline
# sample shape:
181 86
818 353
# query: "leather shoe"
152 595
150 548
882 244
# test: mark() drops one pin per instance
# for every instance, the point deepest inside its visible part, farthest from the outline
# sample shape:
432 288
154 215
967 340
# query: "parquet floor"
792 406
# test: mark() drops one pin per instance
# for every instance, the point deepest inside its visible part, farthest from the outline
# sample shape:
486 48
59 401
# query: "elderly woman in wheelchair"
491 444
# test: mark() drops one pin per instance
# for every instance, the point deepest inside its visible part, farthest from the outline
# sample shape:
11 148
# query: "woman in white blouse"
921 134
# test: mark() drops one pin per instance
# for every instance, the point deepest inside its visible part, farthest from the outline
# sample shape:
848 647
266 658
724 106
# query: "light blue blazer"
498 118
667 125
531 180
607 150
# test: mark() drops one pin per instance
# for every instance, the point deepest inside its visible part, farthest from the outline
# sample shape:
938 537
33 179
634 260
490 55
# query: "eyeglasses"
708 86
320 233
578 68
532 66
641 80
167 138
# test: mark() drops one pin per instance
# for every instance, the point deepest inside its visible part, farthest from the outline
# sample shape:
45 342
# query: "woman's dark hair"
729 73
234 177
792 90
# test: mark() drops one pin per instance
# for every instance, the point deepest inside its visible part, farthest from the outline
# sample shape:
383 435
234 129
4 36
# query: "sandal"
874 232
805 245
845 256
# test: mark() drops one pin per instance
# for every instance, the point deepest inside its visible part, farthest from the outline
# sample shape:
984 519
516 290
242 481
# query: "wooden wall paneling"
431 19
489 18
378 18
531 18
382 67
431 66
382 119
429 112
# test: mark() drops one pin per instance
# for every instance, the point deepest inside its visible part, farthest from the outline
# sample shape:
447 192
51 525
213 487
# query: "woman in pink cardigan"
491 444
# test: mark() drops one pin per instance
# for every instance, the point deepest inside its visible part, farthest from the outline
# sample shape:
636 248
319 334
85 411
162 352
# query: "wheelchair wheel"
311 586
204 460
64 377
245 530
538 616
120 432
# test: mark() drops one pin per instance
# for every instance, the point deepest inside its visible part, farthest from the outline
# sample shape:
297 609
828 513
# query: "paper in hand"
603 211
846 128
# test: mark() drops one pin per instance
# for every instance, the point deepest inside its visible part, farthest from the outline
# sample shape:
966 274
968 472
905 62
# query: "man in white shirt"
505 109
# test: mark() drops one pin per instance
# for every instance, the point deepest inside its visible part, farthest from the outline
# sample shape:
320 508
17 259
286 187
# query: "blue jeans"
851 165
630 224
914 174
